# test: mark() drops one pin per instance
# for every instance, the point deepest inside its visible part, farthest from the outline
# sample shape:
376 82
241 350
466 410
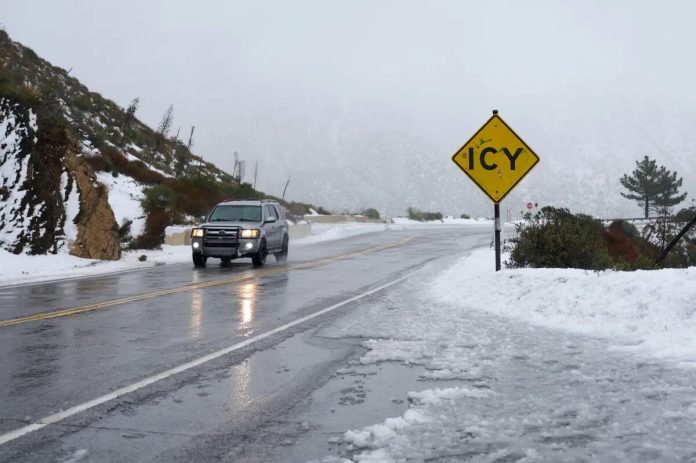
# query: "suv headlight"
197 233
251 233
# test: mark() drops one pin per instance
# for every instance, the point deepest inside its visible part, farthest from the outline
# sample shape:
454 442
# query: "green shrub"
465 216
415 214
691 254
371 213
630 229
555 238
83 102
153 236
159 197
686 214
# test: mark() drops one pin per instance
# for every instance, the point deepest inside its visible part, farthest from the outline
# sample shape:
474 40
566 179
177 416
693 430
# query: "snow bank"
24 268
389 440
649 312
125 195
469 324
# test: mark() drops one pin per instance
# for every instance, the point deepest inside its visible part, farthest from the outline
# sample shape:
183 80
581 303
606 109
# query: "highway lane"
53 364
22 300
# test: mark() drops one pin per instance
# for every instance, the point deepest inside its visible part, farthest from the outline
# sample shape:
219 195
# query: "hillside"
98 122
80 174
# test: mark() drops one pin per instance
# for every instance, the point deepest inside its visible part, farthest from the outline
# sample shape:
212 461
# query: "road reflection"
196 313
247 301
196 309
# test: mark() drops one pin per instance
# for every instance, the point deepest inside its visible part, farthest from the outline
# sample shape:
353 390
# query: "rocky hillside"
80 174
98 122
50 198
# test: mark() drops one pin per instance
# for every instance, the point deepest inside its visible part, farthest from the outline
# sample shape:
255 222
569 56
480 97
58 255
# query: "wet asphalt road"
147 323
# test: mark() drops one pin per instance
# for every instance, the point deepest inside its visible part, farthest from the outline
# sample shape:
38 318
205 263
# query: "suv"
246 228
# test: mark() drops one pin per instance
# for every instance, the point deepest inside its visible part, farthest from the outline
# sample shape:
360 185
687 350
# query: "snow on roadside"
647 312
17 269
438 321
125 195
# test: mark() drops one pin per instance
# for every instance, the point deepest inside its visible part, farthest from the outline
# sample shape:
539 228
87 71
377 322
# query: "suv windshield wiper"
248 220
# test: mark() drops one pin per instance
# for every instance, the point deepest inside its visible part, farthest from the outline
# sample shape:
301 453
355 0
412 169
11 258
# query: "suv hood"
243 224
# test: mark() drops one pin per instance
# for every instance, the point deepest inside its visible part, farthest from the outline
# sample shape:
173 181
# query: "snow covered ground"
17 269
125 196
538 365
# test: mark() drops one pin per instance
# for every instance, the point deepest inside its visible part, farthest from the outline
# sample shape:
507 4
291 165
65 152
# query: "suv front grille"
221 237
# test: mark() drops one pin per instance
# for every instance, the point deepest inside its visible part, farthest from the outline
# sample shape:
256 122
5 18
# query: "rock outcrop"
49 196
97 230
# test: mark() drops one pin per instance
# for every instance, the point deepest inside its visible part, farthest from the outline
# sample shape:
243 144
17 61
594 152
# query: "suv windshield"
236 214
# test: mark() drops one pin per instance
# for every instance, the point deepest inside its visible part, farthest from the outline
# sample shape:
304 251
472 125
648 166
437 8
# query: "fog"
363 103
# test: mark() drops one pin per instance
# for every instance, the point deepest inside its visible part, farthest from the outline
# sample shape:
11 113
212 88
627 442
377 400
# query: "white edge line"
56 417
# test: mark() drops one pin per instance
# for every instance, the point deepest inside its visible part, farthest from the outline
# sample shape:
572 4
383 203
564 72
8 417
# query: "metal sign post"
496 160
496 210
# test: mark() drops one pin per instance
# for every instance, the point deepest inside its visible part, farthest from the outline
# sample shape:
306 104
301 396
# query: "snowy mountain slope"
30 219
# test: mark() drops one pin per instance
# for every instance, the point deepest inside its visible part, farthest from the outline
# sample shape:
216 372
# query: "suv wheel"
260 257
199 260
282 256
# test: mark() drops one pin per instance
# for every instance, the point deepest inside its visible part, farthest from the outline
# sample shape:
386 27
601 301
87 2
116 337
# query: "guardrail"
340 219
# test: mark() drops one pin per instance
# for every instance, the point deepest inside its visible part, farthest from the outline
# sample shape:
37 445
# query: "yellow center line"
166 292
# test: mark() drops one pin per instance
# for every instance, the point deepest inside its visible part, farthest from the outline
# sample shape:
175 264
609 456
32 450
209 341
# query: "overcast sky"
255 76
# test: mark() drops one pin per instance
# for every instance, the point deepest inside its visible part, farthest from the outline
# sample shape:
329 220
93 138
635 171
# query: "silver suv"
246 228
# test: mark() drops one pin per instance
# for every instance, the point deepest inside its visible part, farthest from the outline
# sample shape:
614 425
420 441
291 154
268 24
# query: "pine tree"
653 186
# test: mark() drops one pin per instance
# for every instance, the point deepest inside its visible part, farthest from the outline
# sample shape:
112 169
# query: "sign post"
496 159
496 213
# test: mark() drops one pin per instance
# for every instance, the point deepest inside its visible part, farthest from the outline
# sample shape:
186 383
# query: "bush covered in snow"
415 214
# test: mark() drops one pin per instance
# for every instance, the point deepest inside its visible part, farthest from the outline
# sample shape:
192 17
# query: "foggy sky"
272 80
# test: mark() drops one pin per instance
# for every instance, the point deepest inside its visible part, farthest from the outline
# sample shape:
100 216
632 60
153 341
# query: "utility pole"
256 171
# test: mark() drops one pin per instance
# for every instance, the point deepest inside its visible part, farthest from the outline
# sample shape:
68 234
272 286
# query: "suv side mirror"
270 219
203 218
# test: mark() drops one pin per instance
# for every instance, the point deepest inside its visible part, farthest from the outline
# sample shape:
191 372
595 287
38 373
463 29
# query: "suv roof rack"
246 199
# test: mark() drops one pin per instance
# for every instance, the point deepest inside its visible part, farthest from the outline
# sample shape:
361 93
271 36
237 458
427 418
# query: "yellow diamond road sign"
495 158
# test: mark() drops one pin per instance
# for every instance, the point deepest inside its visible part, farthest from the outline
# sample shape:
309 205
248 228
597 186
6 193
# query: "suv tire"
282 256
199 260
260 257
